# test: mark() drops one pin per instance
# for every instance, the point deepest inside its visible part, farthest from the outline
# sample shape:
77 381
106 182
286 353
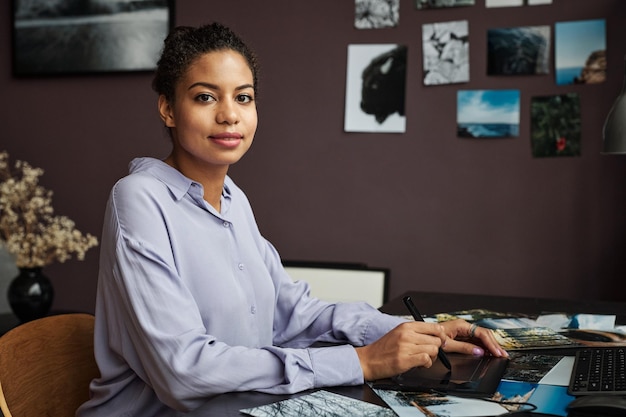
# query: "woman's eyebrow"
216 87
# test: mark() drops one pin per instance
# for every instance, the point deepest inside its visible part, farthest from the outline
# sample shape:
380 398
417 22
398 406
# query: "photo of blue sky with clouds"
488 113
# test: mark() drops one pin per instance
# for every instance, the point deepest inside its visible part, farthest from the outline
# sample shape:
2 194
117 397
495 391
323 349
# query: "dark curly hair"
185 44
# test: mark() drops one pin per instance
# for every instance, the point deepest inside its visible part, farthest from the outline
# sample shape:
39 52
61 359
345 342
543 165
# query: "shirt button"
253 310
226 224
240 266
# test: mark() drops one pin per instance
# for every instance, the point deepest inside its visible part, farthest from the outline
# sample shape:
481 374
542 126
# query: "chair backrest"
342 282
46 366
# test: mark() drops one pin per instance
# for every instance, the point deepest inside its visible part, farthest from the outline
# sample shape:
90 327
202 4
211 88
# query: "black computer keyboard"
599 370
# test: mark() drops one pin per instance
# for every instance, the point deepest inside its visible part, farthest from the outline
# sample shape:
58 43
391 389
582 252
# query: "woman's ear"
166 112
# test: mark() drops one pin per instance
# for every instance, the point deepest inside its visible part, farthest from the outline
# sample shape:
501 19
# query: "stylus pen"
418 317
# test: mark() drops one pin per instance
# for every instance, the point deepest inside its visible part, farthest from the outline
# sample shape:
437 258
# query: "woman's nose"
227 113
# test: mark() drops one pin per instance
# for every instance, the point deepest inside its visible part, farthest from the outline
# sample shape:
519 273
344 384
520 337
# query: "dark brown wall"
445 214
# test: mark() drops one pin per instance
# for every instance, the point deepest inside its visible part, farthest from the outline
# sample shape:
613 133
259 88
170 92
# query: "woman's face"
214 117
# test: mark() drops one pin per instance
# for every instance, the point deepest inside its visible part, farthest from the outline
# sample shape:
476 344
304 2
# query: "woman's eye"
244 98
204 97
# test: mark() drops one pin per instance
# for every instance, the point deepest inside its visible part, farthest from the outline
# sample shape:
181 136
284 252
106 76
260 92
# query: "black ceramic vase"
30 294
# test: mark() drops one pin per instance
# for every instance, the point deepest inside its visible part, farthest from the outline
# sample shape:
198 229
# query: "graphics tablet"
470 377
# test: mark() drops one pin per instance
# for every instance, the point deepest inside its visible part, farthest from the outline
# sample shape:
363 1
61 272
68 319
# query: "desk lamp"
614 131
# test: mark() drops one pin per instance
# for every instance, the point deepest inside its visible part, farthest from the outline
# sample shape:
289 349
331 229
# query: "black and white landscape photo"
446 52
376 14
83 36
437 4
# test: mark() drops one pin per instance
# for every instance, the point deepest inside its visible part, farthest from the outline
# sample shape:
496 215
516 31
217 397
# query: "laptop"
470 376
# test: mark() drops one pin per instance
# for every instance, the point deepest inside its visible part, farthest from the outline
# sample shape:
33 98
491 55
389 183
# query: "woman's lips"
227 139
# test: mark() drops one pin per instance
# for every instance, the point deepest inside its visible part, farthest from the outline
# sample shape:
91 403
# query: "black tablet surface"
470 377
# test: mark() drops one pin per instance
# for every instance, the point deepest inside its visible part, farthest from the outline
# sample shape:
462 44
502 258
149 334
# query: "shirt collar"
176 182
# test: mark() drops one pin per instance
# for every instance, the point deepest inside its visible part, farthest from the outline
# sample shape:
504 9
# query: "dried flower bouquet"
29 230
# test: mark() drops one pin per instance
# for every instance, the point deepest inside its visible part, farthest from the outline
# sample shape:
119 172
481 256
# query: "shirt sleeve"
302 321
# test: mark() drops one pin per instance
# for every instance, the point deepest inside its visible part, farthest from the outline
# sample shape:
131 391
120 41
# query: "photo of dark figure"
383 84
375 88
84 36
518 51
555 125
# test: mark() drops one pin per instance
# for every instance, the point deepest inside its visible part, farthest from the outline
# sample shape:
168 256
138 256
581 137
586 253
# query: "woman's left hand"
471 339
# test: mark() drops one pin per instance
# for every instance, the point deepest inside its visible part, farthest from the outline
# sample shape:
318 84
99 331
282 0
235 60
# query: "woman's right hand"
408 345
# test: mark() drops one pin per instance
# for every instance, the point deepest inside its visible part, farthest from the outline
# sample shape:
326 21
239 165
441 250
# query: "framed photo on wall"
58 37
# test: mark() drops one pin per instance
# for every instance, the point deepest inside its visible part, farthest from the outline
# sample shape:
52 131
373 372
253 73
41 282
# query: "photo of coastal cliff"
580 52
518 50
488 113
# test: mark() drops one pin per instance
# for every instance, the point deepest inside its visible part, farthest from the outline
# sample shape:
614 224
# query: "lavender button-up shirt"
192 303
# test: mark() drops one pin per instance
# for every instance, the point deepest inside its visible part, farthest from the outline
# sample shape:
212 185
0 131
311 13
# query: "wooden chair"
46 366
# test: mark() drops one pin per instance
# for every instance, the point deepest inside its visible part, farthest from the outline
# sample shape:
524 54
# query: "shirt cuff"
380 326
336 365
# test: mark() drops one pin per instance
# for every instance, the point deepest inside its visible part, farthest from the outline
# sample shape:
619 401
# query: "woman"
192 301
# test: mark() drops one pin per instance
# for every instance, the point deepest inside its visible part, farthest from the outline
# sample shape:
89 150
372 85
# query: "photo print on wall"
375 88
515 3
64 37
376 14
555 125
437 4
446 52
518 51
488 113
580 52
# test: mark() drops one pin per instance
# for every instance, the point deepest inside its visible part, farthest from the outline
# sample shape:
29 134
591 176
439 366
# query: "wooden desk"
428 303
433 302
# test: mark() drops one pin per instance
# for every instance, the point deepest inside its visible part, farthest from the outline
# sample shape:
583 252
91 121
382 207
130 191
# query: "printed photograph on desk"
532 338
529 367
518 50
484 316
540 398
319 403
446 52
420 404
488 113
555 124
437 4
587 329
535 382
580 52
375 88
